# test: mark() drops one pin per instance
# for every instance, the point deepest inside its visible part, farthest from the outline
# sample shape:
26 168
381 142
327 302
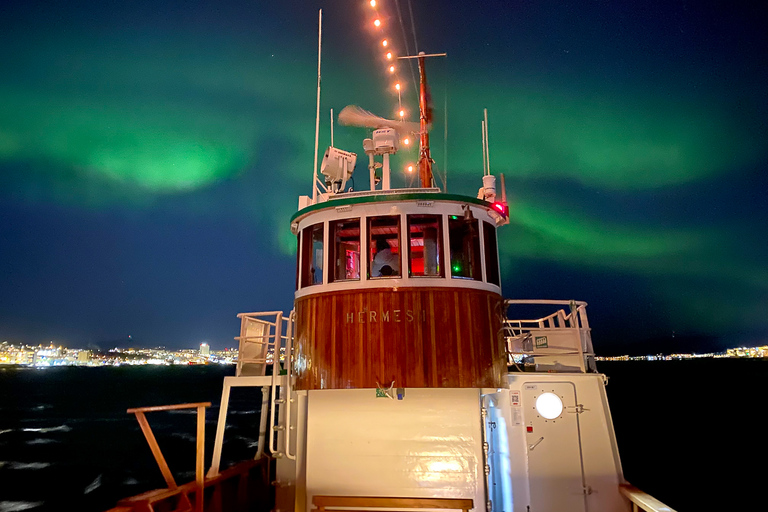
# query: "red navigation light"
501 208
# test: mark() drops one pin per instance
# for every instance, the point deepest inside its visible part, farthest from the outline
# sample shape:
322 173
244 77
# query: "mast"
425 118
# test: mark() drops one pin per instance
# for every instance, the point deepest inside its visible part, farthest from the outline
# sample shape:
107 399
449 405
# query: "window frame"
491 254
332 250
440 239
369 260
476 262
307 256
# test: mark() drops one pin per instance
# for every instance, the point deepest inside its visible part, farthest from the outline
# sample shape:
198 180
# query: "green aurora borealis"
634 155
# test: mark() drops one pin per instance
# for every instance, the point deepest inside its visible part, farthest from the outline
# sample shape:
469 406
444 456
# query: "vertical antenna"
445 144
487 150
482 132
317 114
332 128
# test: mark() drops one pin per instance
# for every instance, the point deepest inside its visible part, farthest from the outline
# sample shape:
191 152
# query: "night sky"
152 152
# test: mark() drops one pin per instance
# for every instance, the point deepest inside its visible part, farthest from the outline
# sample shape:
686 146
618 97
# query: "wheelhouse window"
312 255
384 246
345 250
298 258
425 246
491 254
465 248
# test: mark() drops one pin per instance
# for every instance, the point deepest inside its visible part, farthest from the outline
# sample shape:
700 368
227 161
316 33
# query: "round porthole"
549 405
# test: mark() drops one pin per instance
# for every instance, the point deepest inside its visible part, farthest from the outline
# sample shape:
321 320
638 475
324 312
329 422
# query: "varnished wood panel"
416 337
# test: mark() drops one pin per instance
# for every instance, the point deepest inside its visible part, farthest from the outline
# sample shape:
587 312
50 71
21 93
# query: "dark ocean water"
690 432
67 441
693 433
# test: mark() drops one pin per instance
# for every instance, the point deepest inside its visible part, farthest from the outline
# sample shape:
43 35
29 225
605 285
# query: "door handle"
534 445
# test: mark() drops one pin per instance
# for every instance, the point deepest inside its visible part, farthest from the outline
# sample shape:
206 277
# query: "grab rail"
289 382
157 453
642 501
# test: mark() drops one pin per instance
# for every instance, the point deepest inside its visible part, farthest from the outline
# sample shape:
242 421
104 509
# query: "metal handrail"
278 328
576 318
288 381
643 501
200 444
546 301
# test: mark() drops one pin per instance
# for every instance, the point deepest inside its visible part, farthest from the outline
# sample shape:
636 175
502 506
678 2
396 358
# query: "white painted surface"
553 448
551 467
427 445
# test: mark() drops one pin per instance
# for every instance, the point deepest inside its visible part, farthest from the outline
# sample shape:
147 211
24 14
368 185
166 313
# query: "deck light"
391 69
402 113
384 42
406 141
389 55
377 22
373 3
397 87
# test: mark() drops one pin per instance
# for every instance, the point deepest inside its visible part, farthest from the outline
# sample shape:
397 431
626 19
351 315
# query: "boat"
402 379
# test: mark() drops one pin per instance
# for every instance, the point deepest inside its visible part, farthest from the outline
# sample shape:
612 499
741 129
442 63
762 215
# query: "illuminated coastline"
41 356
736 353
52 355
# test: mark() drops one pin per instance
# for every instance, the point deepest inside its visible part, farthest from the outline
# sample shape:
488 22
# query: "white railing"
558 341
577 318
265 339
257 340
642 501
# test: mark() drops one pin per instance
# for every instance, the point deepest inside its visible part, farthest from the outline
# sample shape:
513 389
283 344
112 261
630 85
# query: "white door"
555 469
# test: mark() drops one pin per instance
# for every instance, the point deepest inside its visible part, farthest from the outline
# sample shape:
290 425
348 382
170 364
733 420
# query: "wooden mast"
425 117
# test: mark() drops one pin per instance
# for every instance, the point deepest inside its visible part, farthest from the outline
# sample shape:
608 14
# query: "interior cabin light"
549 406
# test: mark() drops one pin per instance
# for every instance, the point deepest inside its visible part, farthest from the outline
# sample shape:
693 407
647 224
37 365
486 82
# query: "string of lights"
389 53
